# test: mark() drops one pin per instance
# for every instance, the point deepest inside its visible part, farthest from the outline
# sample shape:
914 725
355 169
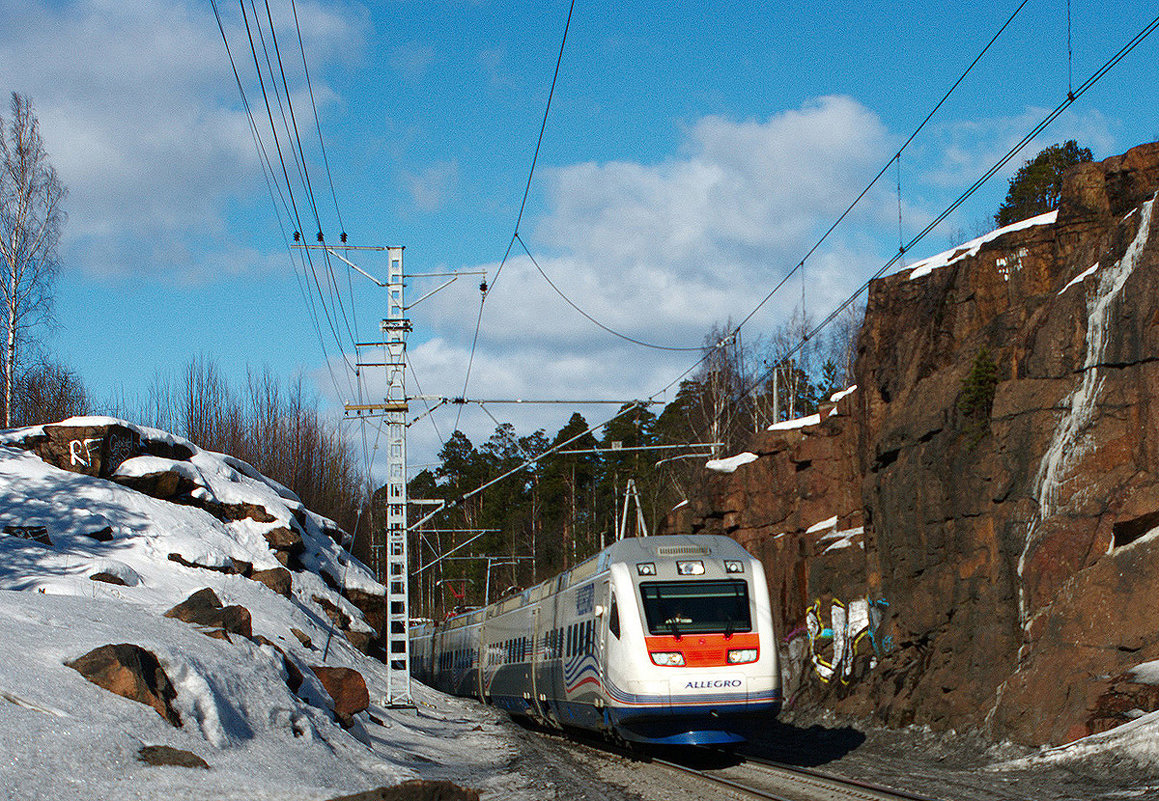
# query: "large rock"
277 579
415 790
346 687
985 522
204 608
132 672
95 450
167 756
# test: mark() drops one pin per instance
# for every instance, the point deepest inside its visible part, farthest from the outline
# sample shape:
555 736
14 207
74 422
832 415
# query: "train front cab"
689 655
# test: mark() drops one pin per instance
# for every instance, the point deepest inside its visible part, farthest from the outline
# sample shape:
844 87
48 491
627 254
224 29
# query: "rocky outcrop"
1001 453
132 672
203 608
95 450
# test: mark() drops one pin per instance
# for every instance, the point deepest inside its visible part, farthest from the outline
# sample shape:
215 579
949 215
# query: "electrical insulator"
483 287
319 236
343 237
297 236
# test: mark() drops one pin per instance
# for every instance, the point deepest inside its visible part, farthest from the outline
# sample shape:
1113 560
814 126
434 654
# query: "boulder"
204 608
346 687
277 579
415 790
132 672
107 578
161 755
95 450
164 484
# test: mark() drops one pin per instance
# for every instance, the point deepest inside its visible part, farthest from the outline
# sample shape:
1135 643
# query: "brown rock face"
132 672
1001 451
204 608
346 687
93 450
994 527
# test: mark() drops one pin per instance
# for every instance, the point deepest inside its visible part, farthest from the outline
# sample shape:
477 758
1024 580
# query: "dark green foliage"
1037 186
977 396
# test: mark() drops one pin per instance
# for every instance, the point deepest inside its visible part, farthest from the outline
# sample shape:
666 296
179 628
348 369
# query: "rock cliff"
971 539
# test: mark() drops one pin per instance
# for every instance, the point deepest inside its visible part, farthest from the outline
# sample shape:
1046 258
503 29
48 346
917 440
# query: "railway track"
773 781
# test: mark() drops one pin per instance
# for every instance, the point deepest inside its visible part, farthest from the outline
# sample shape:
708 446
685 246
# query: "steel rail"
807 783
864 785
721 781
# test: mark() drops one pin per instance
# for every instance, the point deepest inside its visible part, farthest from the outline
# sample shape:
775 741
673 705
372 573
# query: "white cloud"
661 253
141 117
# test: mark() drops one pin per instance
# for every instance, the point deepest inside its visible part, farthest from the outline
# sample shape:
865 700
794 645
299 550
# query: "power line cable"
1068 101
887 165
303 175
270 176
317 122
335 293
522 205
587 316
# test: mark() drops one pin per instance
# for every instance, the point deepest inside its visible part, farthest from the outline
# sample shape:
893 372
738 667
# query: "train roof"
673 545
630 550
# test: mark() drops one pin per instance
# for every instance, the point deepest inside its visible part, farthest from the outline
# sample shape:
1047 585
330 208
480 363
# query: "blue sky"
693 153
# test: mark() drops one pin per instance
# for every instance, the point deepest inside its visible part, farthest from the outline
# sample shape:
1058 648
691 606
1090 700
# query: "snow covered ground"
62 736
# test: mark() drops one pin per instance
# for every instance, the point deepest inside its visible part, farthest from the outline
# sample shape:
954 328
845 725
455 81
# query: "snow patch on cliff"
971 248
730 464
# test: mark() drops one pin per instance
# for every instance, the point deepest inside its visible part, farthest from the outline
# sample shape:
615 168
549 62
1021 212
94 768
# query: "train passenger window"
614 619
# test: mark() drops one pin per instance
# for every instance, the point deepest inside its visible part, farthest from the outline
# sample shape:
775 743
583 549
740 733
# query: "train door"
484 659
600 646
537 705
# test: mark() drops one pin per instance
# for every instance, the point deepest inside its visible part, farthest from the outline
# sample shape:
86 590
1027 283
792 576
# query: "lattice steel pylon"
388 548
394 330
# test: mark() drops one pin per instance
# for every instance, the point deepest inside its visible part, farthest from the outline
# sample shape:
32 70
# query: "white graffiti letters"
80 452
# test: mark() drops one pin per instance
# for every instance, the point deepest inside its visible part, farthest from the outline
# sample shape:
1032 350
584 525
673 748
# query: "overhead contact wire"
522 204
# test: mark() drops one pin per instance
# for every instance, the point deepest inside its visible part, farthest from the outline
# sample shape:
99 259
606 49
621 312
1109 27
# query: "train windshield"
696 607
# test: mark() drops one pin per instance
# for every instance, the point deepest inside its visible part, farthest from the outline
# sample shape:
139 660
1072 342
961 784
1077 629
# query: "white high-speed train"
663 640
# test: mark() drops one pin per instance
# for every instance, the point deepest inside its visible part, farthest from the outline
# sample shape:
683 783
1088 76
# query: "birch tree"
31 220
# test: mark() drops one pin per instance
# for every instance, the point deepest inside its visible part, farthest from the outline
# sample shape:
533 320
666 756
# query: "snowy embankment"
91 560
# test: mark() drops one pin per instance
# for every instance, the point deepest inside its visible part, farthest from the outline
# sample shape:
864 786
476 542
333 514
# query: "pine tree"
1037 186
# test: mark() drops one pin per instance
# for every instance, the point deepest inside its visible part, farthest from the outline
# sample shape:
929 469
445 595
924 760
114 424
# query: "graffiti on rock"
838 648
80 452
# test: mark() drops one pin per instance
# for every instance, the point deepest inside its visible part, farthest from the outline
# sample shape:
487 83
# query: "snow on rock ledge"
730 464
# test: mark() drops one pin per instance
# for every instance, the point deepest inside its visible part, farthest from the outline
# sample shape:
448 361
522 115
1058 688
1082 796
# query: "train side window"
614 619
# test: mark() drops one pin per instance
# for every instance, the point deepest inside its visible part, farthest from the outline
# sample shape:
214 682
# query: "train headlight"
645 568
738 655
667 658
733 567
690 568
